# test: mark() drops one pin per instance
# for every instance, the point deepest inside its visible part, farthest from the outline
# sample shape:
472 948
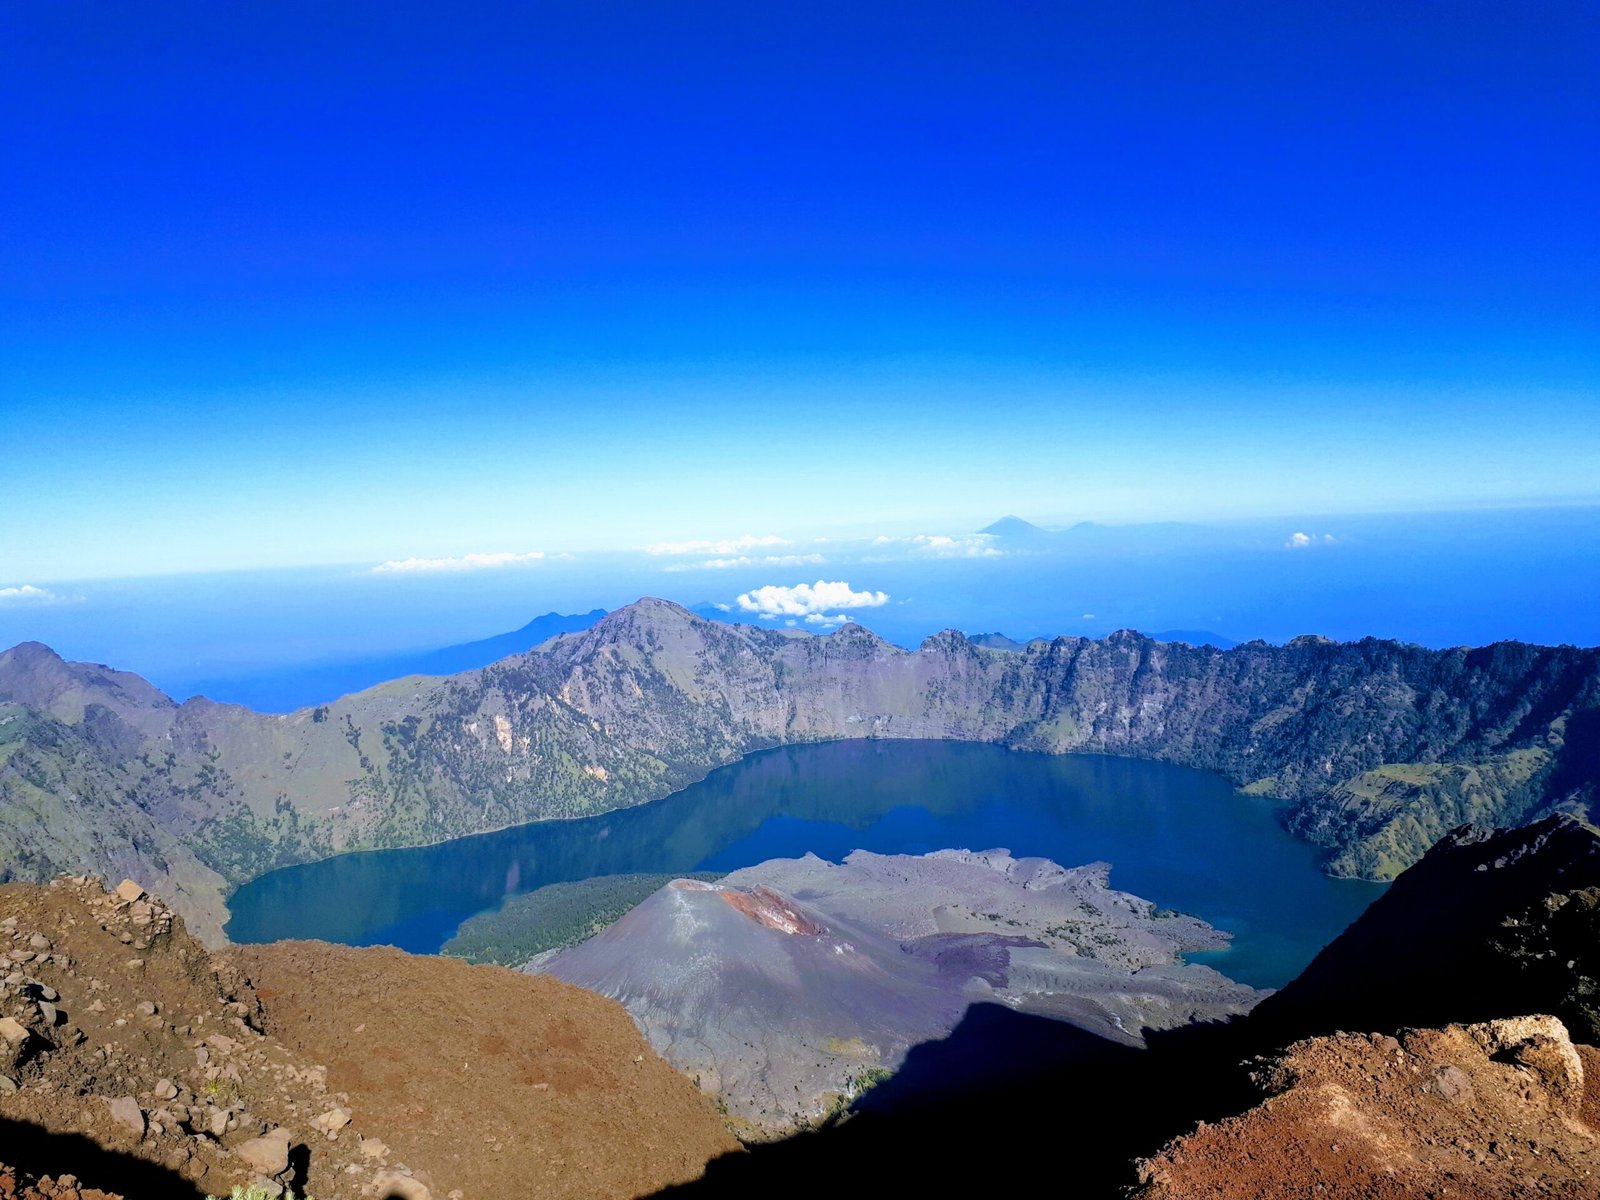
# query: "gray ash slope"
1379 747
787 986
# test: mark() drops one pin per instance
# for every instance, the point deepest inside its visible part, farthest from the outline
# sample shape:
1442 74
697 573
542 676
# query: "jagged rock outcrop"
1380 747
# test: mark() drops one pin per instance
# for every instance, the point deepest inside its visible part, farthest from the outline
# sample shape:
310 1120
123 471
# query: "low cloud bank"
939 545
26 593
746 560
466 562
722 548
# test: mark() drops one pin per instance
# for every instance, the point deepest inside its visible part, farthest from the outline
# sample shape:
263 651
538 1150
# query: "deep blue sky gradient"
317 283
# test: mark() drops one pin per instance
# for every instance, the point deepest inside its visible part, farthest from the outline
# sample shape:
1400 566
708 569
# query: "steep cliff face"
1379 747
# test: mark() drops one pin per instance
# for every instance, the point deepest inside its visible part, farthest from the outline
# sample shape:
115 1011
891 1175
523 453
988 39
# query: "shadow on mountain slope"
34 1150
1491 923
1024 1098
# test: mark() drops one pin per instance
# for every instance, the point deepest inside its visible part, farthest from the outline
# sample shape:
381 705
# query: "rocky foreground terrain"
1380 748
136 1062
1497 1111
22 1185
787 989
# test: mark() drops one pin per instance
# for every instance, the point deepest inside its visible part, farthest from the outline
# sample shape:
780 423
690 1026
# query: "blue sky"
309 284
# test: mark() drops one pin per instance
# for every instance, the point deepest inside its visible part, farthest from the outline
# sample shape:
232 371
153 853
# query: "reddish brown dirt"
1501 1111
485 1080
118 1000
141 1064
766 907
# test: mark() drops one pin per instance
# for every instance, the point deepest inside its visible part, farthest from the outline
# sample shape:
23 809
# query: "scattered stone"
266 1155
1452 1085
146 1008
165 1090
333 1120
373 1148
125 1111
39 942
130 891
13 1031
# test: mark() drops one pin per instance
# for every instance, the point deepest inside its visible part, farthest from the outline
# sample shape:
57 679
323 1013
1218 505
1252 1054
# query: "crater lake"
1181 838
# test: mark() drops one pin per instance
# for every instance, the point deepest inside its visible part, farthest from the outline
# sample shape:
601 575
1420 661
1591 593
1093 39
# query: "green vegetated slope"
1377 746
67 803
556 916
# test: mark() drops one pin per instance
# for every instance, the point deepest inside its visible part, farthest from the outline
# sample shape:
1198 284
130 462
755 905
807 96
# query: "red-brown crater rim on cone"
767 907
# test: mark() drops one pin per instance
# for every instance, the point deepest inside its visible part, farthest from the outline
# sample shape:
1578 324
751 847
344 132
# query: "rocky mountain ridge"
1379 748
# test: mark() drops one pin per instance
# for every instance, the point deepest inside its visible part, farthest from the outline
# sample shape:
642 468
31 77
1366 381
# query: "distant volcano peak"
1014 527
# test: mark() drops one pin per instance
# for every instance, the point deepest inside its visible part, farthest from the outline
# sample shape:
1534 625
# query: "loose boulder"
266 1155
127 1114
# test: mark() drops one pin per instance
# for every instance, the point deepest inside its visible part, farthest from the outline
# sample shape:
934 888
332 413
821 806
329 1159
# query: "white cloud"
827 620
1302 541
821 603
26 593
939 545
725 547
466 562
746 560
1088 616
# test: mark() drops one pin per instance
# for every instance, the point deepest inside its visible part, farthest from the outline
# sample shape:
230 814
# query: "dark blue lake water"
1179 837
